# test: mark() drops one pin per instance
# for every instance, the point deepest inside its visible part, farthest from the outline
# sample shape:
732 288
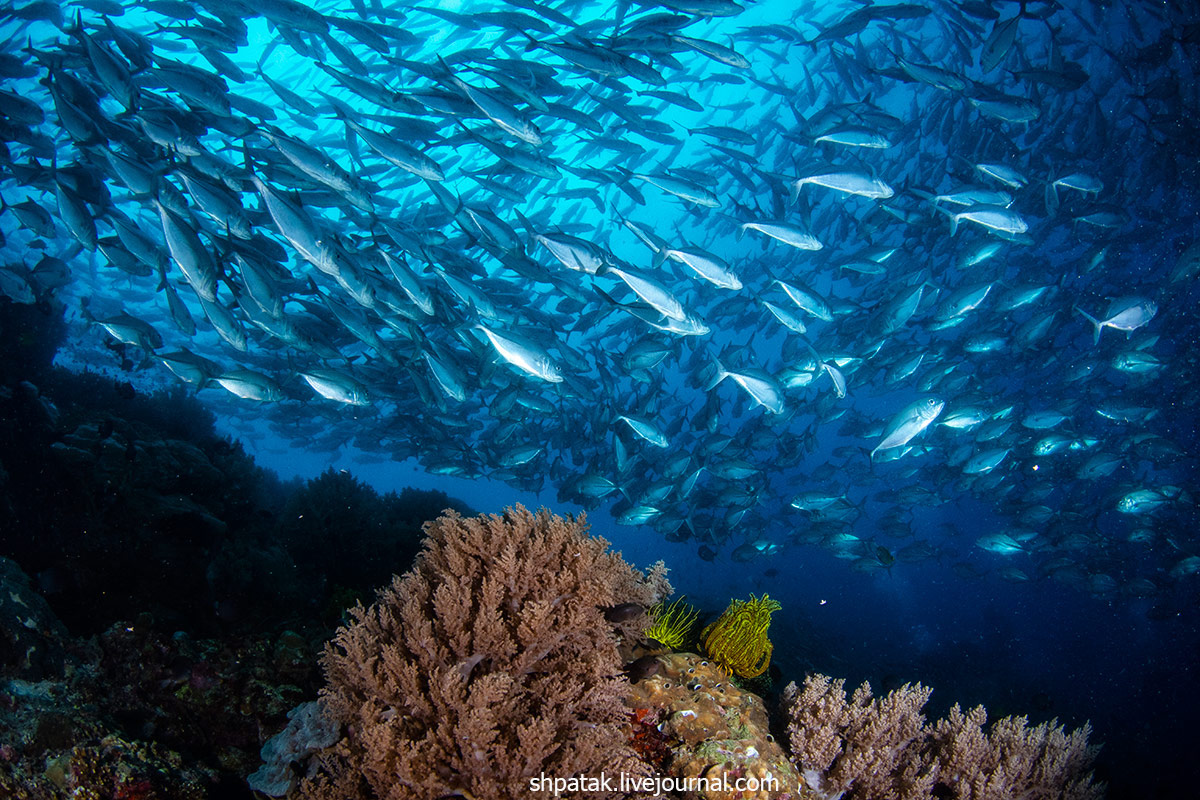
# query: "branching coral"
881 749
738 641
672 625
489 663
869 748
1012 759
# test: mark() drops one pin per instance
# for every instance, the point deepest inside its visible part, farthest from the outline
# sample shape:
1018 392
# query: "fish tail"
1052 202
1097 325
948 213
524 221
720 373
77 28
603 293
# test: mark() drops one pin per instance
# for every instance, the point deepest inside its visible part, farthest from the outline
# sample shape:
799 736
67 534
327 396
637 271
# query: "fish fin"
524 221
1052 202
1097 325
450 73
837 378
606 295
720 372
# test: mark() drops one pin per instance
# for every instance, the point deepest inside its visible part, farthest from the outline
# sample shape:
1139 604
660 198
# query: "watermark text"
604 783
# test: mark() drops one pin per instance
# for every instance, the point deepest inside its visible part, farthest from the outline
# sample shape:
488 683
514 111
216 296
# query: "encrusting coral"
738 641
715 732
869 748
490 663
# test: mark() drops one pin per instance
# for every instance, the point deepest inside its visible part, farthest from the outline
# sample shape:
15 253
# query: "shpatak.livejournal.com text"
651 784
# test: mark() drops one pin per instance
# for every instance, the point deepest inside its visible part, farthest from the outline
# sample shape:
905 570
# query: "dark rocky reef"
162 599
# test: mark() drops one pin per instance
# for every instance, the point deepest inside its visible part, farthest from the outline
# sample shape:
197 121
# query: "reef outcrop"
504 657
492 663
718 735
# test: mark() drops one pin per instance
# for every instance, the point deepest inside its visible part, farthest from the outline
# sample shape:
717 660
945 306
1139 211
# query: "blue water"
1082 611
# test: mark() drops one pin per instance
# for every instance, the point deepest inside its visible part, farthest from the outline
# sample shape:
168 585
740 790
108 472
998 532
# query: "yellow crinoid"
738 641
672 624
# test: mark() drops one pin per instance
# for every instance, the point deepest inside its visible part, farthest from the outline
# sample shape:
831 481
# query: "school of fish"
750 276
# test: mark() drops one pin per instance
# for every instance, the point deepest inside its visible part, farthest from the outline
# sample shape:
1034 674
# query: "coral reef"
489 664
209 698
307 731
714 731
107 768
32 335
869 748
373 536
155 628
121 503
32 640
134 714
1012 759
737 640
56 741
169 619
116 515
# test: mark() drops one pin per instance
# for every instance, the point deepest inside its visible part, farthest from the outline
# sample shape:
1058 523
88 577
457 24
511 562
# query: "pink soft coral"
488 664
